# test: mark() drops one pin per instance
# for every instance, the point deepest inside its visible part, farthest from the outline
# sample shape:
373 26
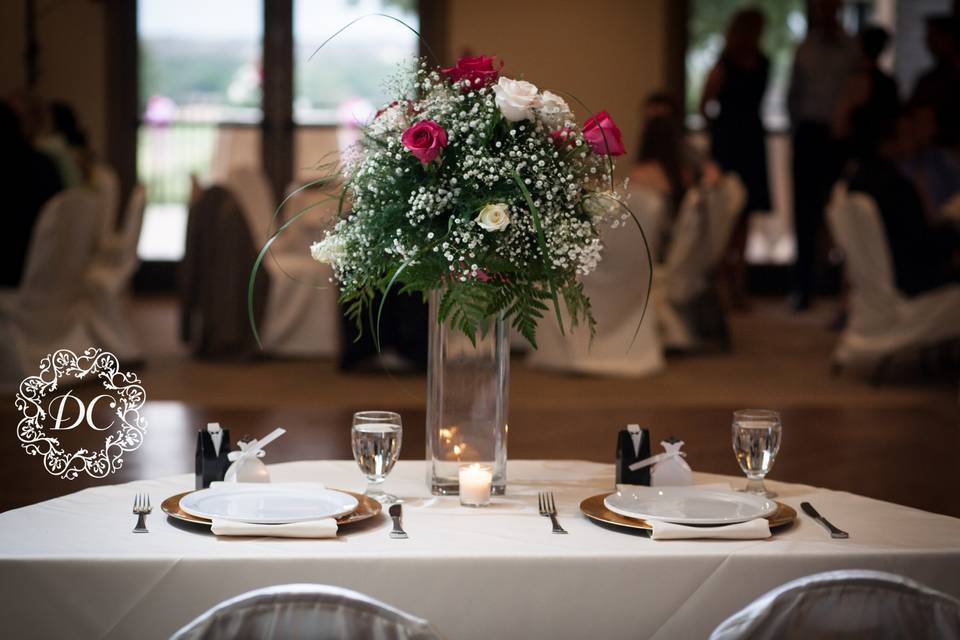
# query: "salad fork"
141 507
548 507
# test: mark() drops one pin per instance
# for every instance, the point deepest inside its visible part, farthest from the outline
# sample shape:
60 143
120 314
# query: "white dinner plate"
688 505
266 504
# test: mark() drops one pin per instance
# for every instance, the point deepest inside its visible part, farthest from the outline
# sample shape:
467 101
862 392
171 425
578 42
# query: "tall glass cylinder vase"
467 399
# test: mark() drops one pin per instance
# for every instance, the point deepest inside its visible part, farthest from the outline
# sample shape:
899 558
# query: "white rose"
493 217
554 110
517 99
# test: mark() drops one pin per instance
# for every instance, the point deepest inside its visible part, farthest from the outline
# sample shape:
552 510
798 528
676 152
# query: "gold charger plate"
367 508
594 509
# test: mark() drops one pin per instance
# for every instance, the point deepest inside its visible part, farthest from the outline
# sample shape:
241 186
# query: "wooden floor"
899 441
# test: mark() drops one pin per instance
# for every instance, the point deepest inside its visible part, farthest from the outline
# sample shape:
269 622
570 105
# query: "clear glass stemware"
376 438
756 441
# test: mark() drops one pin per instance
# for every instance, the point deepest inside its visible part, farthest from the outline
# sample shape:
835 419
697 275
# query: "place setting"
656 495
235 495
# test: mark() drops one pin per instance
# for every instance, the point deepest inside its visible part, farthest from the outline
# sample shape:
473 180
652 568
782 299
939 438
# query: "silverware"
141 507
548 507
813 513
396 512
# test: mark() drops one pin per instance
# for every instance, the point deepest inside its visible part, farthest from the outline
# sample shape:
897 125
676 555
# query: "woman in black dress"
731 103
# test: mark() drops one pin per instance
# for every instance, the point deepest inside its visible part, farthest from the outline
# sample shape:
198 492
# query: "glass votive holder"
475 481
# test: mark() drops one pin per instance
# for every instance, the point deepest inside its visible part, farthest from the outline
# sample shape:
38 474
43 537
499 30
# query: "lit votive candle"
475 481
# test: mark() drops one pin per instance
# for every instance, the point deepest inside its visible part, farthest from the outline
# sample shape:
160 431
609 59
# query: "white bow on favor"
660 457
246 467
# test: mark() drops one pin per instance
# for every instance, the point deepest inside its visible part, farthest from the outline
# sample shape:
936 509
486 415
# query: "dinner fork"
141 507
548 507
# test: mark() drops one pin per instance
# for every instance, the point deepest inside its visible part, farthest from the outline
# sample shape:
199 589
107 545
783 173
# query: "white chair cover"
617 290
302 318
698 240
846 604
306 612
725 203
106 183
109 280
50 309
882 321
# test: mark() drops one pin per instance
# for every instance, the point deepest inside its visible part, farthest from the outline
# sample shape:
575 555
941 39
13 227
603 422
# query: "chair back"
133 224
723 204
61 247
106 184
624 256
856 227
214 275
684 265
846 604
306 611
253 191
52 301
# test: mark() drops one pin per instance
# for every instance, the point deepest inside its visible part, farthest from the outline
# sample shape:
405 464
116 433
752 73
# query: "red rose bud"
425 139
603 135
478 71
562 138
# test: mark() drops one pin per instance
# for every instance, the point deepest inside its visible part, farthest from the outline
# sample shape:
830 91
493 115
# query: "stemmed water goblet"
756 441
376 437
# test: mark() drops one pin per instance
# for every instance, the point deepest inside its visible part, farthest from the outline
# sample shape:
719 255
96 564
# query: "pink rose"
425 139
603 135
478 71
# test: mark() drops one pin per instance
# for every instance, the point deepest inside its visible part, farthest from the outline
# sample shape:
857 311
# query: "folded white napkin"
750 530
323 528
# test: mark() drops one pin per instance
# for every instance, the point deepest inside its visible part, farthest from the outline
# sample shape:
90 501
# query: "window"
346 80
201 92
200 89
785 26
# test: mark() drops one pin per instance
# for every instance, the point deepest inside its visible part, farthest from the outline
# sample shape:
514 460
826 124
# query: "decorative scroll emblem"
46 409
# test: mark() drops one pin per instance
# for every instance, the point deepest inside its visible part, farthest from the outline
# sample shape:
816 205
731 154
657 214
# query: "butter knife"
813 513
396 512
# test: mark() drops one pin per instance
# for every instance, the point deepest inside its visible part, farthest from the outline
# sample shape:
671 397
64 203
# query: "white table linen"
71 567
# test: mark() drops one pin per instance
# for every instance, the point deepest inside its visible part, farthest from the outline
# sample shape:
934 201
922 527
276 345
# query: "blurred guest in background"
939 87
65 141
932 168
731 103
871 97
665 161
924 257
31 178
821 69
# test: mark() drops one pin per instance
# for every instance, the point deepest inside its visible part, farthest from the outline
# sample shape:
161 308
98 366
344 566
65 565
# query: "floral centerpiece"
484 194
483 188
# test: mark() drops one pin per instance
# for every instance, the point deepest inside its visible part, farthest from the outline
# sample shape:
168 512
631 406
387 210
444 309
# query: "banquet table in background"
70 567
